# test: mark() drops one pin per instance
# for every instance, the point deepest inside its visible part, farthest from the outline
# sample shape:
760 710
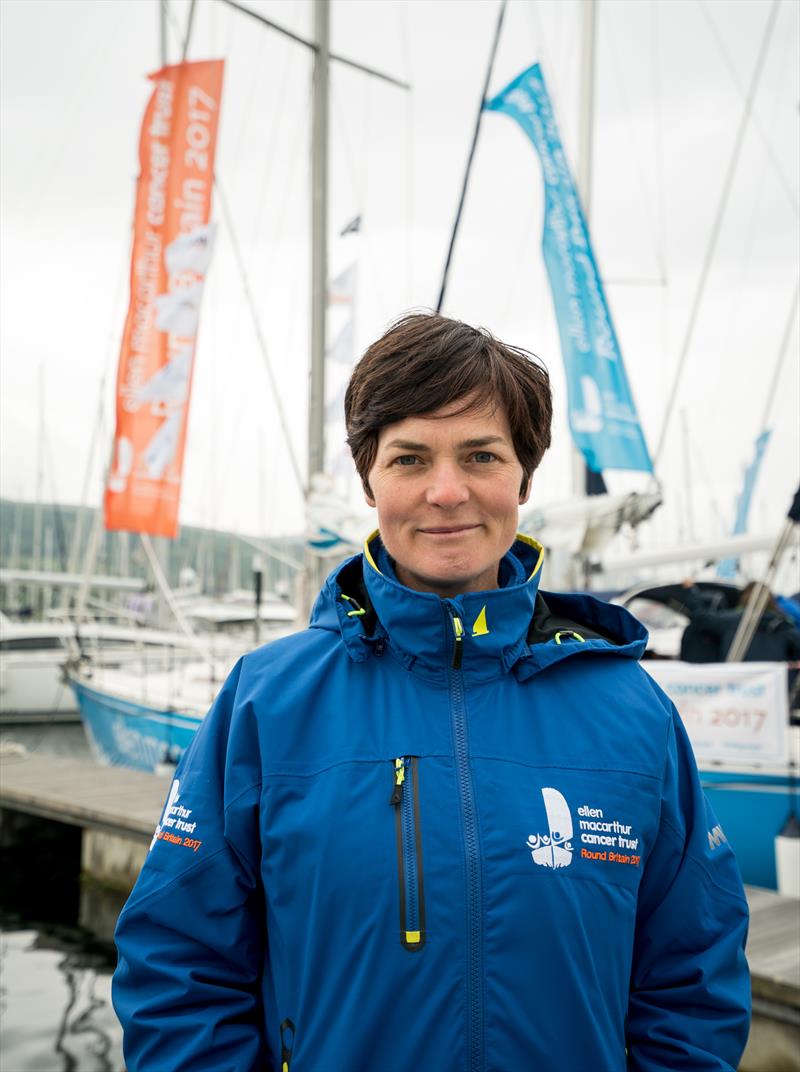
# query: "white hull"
32 683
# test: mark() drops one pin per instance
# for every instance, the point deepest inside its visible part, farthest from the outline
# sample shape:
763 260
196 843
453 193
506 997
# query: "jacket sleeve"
191 938
689 1005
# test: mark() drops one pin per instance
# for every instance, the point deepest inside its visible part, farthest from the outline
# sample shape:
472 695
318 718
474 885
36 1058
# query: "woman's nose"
447 486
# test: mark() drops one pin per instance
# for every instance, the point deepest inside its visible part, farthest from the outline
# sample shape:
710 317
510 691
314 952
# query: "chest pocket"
408 835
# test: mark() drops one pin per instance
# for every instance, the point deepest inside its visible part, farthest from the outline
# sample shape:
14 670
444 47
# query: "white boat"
234 612
33 655
142 718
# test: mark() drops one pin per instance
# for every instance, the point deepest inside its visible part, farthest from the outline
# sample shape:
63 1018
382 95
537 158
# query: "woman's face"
447 490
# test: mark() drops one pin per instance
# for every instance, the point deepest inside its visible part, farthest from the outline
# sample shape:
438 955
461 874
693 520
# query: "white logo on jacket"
553 849
172 800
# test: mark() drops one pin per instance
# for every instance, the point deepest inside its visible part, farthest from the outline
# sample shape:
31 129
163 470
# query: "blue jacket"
458 835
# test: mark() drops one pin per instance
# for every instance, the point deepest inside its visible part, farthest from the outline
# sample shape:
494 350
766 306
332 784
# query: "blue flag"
602 414
727 567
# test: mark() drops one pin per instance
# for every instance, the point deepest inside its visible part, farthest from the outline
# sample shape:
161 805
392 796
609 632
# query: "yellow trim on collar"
367 552
537 547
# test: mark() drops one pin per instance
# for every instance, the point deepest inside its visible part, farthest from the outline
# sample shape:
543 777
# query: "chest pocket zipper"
287 1045
408 832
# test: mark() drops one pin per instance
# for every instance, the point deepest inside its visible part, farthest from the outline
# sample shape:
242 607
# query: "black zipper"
458 639
287 1045
408 834
472 855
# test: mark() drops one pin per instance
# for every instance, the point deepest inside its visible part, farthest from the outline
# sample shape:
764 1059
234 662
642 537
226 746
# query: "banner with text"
172 240
733 712
602 414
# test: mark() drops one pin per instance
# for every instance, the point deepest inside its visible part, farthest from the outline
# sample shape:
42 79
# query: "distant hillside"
222 560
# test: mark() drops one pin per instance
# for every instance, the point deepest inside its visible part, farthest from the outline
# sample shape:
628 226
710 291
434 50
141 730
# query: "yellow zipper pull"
399 778
458 630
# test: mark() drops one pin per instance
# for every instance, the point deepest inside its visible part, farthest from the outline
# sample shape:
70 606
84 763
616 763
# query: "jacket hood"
514 626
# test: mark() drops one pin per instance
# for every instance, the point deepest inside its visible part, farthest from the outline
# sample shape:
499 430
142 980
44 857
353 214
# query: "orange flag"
172 240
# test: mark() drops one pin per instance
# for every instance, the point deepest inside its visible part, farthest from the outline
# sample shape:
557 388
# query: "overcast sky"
671 83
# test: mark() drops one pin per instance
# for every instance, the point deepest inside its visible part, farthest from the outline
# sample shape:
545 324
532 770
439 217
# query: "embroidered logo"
553 849
715 837
175 818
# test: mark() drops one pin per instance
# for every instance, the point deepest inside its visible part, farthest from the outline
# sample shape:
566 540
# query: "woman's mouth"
446 530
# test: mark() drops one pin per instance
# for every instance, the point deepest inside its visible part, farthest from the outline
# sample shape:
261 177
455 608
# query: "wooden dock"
112 800
117 810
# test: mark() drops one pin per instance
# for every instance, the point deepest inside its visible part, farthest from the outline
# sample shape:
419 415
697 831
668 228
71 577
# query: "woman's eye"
484 456
406 459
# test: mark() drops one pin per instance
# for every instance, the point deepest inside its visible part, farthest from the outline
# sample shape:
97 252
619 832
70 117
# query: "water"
55 979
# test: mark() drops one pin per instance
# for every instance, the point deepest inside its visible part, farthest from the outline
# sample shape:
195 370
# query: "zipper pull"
458 647
399 778
287 1044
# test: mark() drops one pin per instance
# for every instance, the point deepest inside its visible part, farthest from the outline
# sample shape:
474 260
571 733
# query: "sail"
602 415
172 244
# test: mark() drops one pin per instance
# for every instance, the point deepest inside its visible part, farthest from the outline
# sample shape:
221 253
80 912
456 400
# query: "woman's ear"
368 494
525 490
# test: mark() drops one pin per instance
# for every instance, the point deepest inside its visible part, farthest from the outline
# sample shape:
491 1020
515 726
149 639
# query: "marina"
621 208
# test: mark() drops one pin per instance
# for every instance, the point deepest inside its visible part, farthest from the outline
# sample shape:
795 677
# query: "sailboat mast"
584 171
162 31
586 115
319 238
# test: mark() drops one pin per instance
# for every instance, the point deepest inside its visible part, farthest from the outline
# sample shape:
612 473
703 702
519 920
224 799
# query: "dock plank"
773 946
112 799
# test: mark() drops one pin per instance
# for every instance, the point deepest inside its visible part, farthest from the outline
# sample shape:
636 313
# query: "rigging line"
736 299
459 210
188 36
293 158
523 253
767 144
655 69
270 141
708 485
716 229
87 91
360 189
313 46
172 24
784 349
349 156
551 66
403 22
169 597
243 116
237 251
638 156
111 351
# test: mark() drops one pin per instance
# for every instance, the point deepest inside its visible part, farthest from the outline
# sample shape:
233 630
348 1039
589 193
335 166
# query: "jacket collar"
421 627
512 627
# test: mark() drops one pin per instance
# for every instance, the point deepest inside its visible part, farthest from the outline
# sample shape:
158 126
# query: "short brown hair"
426 361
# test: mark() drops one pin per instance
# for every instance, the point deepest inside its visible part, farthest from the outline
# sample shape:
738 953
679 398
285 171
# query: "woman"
452 825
